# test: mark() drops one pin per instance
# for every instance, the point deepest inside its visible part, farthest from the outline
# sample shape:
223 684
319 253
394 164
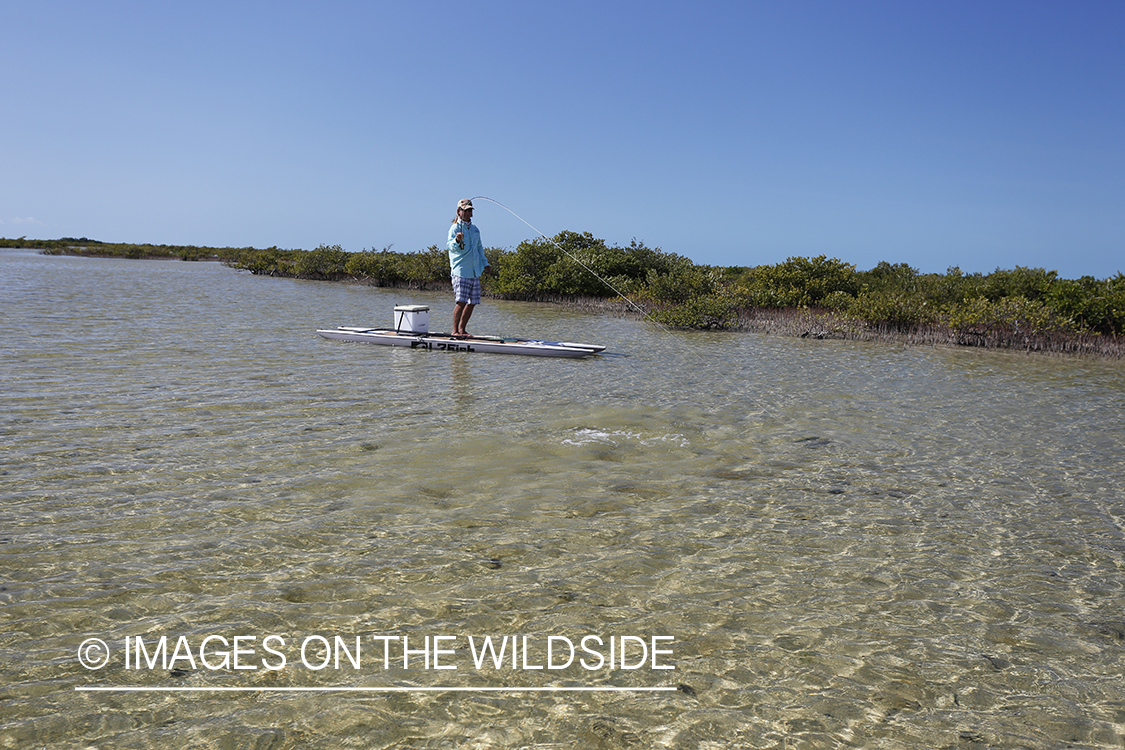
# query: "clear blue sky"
979 134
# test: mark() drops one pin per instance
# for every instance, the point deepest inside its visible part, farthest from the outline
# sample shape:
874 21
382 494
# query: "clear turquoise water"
852 545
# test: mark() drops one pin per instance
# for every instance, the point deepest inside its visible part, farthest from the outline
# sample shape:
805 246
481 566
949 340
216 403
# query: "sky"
982 134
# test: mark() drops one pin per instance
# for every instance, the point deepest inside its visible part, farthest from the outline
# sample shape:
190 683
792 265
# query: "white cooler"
412 319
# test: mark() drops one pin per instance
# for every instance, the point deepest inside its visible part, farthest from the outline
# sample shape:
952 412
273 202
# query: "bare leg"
462 311
458 311
468 313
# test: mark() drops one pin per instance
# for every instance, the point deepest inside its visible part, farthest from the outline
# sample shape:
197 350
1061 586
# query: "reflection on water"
853 545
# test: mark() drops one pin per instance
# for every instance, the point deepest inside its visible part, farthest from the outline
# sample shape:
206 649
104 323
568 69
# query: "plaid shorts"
466 290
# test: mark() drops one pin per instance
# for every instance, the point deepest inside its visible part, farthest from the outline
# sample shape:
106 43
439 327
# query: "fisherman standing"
466 265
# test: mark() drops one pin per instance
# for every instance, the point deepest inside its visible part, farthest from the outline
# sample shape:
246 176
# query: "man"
466 265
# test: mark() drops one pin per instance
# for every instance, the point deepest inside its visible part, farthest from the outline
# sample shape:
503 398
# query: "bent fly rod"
571 255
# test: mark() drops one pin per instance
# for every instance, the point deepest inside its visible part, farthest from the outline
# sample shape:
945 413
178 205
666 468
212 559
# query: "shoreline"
820 324
794 322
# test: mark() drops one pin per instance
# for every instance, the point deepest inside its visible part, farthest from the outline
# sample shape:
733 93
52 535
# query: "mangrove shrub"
681 294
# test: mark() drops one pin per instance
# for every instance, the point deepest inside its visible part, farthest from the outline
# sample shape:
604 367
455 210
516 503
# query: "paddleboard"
447 342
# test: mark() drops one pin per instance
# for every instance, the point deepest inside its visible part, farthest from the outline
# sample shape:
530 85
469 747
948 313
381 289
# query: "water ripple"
853 545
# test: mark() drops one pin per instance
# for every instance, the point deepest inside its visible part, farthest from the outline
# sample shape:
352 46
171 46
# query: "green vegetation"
1029 308
98 249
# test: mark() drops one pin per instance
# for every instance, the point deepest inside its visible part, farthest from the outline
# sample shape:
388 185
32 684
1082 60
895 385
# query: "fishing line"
635 306
614 289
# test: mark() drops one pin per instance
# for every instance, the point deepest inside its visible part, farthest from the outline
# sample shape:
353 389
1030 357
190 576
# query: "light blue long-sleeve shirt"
467 258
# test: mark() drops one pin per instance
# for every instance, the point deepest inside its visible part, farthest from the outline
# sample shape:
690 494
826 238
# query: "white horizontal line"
124 689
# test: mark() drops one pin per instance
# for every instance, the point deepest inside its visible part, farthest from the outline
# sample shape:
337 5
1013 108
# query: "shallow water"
851 545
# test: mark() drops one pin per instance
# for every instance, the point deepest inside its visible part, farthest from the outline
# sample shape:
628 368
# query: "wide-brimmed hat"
464 203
